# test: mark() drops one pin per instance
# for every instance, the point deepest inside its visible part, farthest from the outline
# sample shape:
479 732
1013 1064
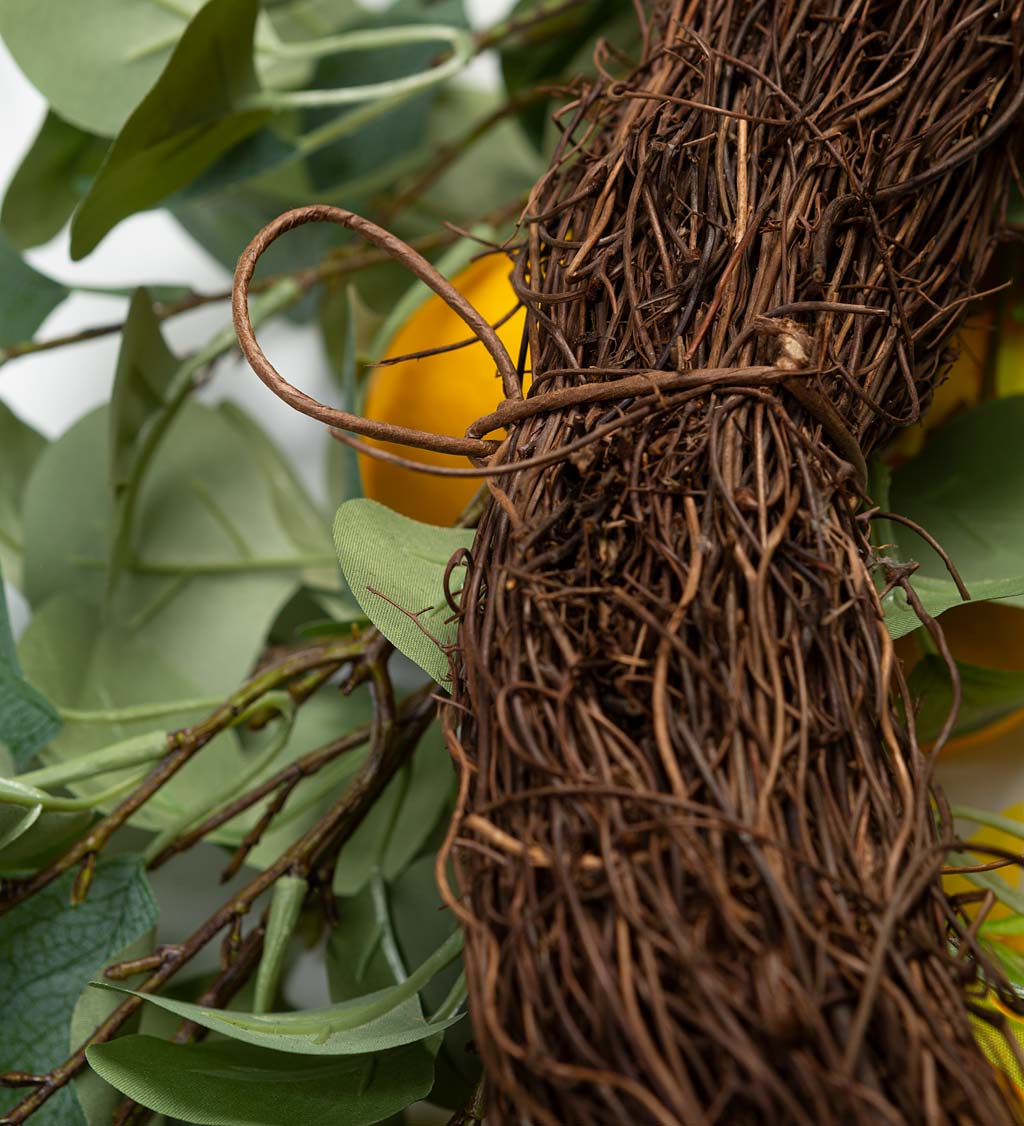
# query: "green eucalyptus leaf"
964 489
320 721
145 371
199 108
376 151
53 176
27 297
93 62
211 560
560 47
98 1100
234 1084
307 527
395 567
385 928
28 721
16 820
360 956
421 921
20 446
401 819
40 842
988 695
224 221
388 1018
89 665
497 168
49 950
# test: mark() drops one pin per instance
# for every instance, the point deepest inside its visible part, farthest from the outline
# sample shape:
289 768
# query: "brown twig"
390 749
182 745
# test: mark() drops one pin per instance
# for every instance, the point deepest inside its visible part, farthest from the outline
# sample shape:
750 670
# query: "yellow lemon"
442 393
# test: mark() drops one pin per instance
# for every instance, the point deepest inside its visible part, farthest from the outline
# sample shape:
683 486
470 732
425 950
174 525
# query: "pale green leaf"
395 567
199 108
93 62
49 950
389 1018
89 664
213 561
234 1084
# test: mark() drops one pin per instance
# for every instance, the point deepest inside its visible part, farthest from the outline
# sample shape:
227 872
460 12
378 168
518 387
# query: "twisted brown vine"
698 850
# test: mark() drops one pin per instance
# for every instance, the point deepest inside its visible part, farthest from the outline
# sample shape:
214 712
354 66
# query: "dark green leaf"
145 369
200 107
401 819
387 142
41 842
97 1098
421 921
381 931
48 952
395 567
224 222
232 1084
20 446
27 297
28 721
358 957
498 168
965 490
53 176
560 47
988 695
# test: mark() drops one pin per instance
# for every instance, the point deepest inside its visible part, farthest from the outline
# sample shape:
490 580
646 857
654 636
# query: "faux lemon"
443 393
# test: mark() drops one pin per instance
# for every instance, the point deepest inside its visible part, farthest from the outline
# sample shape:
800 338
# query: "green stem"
119 756
138 712
285 907
12 794
460 42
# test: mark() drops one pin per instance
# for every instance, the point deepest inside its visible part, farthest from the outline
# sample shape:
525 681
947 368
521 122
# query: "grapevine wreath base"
697 848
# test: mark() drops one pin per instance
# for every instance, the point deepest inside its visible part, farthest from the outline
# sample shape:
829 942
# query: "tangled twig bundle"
698 851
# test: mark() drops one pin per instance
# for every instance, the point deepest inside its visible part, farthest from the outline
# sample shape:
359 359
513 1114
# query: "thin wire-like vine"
698 857
698 851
